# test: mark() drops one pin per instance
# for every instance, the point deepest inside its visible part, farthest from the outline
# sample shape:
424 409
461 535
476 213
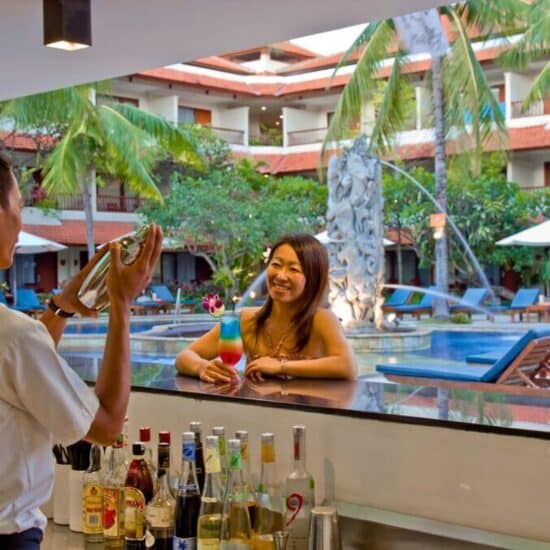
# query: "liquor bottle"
210 515
269 498
114 477
196 428
299 493
145 438
236 532
138 492
92 498
93 291
242 436
189 498
160 511
220 432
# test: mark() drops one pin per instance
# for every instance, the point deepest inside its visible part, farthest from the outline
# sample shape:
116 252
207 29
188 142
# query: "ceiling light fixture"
67 24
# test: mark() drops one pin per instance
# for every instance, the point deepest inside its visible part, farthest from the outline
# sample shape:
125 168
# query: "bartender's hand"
263 365
217 372
125 282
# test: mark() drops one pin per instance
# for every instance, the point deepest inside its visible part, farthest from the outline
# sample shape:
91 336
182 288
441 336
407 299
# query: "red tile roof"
73 232
221 63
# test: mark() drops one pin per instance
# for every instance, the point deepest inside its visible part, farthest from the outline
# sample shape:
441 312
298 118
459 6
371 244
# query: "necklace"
275 350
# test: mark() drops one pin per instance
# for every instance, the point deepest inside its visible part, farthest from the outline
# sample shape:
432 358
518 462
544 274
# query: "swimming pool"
101 327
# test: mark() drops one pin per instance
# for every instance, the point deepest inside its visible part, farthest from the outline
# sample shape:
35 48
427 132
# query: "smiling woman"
291 335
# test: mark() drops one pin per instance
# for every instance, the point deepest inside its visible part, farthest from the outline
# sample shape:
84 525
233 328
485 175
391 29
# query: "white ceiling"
133 35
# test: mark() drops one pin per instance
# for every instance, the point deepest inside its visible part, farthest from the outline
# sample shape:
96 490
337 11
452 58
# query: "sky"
327 43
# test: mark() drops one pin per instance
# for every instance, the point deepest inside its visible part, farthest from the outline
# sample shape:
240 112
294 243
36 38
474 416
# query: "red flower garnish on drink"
213 305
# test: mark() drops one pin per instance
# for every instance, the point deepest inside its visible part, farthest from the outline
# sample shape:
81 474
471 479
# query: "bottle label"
208 544
294 503
184 544
188 450
111 512
92 508
134 513
212 461
158 518
235 461
244 450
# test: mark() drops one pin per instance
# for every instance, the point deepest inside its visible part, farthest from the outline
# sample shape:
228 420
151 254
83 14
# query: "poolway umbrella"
27 243
538 235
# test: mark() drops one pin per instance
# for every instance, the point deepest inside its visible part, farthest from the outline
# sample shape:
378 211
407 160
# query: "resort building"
272 104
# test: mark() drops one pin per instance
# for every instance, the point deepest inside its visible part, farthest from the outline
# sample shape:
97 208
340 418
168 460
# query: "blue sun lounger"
523 298
470 302
424 306
399 297
27 301
518 365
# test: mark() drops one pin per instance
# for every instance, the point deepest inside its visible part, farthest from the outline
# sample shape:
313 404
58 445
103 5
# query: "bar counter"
468 464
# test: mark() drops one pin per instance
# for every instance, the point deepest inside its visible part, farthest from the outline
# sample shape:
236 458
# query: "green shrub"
460 319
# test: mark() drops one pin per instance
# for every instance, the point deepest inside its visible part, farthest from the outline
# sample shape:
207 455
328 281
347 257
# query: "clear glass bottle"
220 432
160 512
188 501
242 436
196 428
145 438
92 498
236 532
210 515
138 491
269 498
299 494
114 477
93 291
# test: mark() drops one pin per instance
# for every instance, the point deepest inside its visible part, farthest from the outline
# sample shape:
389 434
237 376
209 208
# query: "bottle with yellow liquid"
235 531
269 498
210 514
92 498
242 436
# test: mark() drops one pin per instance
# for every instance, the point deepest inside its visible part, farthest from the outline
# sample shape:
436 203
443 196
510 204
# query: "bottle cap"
138 448
188 436
212 441
164 437
241 435
145 434
234 446
195 427
219 431
268 438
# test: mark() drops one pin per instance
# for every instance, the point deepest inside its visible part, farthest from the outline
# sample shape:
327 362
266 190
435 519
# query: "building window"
186 115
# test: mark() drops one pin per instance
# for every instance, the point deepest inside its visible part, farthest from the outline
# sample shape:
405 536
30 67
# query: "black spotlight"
67 24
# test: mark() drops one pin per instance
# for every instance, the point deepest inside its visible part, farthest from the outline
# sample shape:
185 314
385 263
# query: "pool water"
101 328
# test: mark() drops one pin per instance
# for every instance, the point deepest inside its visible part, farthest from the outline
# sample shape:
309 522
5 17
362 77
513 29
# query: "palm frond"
392 112
496 17
129 151
362 84
65 167
540 88
469 95
174 140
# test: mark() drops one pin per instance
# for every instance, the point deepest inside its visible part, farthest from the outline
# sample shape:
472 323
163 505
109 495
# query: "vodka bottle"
161 510
220 432
196 428
189 499
92 498
299 493
114 476
93 291
269 498
210 515
235 532
138 492
242 436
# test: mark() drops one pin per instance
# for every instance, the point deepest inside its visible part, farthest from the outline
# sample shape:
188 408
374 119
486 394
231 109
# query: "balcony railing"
535 109
533 188
304 137
235 137
117 203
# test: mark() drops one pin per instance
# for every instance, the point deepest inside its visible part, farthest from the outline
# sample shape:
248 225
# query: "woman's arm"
194 357
338 362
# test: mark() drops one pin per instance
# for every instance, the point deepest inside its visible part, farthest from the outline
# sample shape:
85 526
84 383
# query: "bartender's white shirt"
40 396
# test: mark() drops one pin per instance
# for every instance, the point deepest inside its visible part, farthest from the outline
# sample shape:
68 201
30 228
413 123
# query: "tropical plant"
534 45
462 100
119 139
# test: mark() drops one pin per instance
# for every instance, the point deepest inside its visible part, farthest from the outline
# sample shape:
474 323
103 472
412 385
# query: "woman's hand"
263 365
217 372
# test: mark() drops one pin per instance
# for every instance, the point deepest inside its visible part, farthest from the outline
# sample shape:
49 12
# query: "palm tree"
534 45
460 92
120 140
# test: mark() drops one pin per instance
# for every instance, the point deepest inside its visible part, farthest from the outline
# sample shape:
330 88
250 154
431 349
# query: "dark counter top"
510 413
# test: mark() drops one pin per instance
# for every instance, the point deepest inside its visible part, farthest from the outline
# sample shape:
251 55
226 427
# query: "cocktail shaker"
93 291
324 532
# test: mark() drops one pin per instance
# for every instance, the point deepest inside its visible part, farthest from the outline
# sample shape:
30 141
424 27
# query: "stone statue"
356 237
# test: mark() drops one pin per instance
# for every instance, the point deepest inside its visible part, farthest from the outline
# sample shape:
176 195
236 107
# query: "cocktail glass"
230 345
